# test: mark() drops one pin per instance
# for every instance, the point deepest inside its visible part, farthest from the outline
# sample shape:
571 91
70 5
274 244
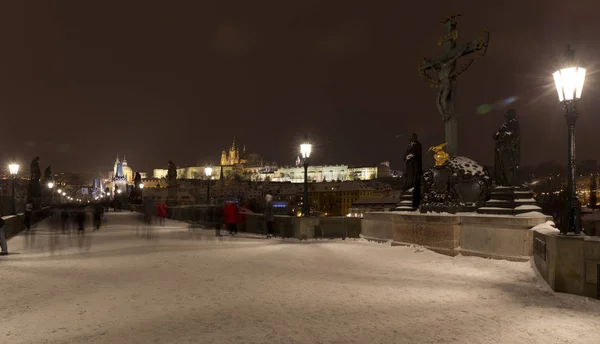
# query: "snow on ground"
116 286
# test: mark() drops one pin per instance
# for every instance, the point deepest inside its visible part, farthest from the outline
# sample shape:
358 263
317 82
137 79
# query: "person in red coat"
231 212
161 212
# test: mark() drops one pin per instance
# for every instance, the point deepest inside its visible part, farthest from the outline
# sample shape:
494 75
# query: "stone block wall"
569 264
490 236
285 226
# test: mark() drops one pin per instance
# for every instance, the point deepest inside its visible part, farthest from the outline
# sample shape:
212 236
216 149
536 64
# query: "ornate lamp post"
569 85
14 170
208 171
305 150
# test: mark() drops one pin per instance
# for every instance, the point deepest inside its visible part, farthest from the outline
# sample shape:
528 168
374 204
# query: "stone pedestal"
509 200
406 201
172 195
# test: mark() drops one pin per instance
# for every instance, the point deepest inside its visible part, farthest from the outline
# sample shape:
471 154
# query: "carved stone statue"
413 169
34 168
171 173
508 151
48 173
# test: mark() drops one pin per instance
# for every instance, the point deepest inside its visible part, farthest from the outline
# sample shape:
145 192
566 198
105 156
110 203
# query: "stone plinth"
509 200
489 236
406 201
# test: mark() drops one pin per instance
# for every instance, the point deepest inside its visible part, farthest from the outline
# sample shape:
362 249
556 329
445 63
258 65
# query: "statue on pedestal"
413 169
34 168
34 191
172 173
172 181
508 151
48 173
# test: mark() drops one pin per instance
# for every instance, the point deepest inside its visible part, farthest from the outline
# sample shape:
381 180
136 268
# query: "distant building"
336 198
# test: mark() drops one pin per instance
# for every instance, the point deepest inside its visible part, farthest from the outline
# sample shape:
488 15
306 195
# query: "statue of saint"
137 181
171 173
48 173
508 151
413 170
34 168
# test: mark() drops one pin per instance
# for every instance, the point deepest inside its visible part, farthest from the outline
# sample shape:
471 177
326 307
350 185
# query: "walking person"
231 214
98 214
269 216
161 212
217 217
28 214
80 218
3 245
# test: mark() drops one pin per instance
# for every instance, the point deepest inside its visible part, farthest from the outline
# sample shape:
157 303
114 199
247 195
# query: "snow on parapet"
546 228
531 214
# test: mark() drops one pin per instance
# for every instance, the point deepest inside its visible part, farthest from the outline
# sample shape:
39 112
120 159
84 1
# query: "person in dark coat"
269 216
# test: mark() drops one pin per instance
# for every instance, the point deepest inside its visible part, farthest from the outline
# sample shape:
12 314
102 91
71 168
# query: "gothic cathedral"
233 157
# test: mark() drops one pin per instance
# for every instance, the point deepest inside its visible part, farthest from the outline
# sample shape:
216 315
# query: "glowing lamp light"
141 185
569 80
208 171
305 150
13 169
50 185
119 191
59 191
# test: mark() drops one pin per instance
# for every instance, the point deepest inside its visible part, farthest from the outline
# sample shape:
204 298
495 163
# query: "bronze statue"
446 68
508 151
34 168
48 173
439 155
171 173
413 160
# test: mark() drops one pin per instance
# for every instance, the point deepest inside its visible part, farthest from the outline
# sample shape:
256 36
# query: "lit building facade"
336 199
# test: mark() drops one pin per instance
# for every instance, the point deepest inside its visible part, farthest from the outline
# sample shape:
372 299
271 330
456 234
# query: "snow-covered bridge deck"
116 286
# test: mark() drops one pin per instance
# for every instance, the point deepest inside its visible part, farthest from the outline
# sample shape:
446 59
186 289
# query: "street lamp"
208 172
50 185
13 169
141 185
305 150
569 85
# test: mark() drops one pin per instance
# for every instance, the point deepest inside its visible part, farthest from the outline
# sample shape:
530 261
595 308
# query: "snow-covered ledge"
490 236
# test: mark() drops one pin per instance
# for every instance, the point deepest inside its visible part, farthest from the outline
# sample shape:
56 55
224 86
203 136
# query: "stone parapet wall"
489 236
284 226
14 224
569 264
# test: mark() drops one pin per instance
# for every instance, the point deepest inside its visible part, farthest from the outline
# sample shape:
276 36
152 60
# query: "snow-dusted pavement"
116 286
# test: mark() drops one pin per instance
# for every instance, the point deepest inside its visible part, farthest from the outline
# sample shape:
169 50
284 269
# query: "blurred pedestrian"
28 214
3 245
269 216
231 213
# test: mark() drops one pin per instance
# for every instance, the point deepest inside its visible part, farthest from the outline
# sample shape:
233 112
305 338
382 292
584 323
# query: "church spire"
233 144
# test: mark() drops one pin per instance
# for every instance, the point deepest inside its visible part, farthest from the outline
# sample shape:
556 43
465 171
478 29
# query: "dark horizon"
84 82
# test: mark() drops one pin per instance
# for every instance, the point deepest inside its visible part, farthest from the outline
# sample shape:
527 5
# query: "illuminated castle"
233 157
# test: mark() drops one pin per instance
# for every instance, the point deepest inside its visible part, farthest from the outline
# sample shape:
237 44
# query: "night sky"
81 81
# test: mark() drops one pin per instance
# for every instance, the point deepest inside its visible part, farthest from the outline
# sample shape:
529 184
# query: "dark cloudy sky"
81 81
